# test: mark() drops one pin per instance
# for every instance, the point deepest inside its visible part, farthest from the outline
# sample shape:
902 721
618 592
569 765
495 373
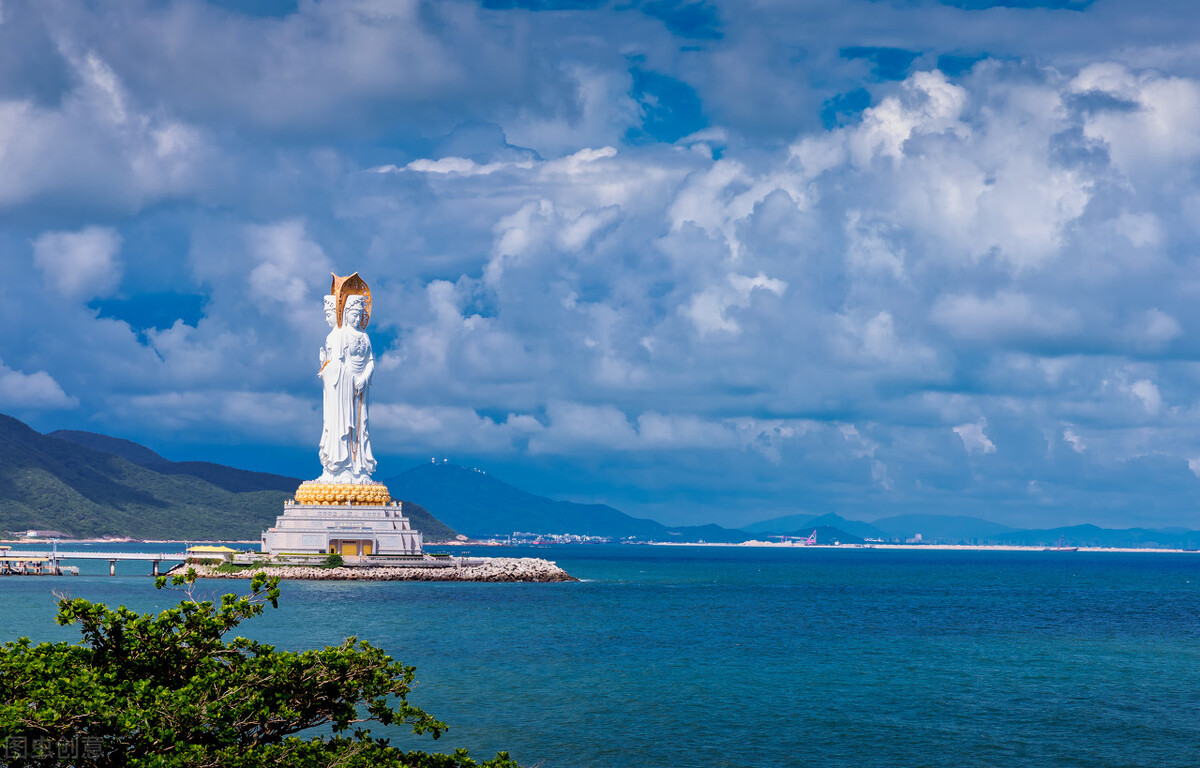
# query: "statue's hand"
323 355
360 381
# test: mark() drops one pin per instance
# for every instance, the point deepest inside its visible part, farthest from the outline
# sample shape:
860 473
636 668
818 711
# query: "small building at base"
348 530
210 552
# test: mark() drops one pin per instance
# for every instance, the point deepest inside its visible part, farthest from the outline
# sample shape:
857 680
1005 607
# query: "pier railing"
154 558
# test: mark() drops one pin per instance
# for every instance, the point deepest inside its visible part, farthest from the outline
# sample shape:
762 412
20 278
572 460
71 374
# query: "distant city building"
522 537
42 535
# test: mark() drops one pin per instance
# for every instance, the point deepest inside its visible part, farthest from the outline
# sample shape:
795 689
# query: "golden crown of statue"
351 285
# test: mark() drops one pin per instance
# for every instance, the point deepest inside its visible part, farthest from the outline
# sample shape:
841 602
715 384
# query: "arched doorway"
352 547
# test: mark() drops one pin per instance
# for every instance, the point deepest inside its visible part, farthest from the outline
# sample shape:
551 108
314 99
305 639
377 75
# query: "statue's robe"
345 440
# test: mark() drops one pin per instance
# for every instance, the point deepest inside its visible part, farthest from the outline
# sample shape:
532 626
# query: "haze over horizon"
701 261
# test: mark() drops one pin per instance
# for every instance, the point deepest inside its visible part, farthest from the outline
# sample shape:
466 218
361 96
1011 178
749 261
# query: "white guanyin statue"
347 364
331 321
330 317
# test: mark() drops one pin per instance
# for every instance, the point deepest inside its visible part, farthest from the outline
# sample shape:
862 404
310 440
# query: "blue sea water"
716 656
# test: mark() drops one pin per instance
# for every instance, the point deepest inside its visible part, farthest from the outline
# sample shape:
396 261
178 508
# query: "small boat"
1061 547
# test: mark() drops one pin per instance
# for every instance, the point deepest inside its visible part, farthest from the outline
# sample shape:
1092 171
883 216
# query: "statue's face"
330 316
353 316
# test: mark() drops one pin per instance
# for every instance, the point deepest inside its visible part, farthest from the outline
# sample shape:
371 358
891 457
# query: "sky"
703 261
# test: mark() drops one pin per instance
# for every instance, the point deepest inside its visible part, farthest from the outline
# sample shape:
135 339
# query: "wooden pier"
34 563
35 566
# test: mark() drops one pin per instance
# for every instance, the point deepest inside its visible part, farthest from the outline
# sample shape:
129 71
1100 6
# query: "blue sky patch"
887 63
262 8
697 20
670 107
954 64
845 108
981 5
156 311
686 18
543 5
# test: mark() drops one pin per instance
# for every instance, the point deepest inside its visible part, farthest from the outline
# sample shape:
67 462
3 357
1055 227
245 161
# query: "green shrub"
334 560
169 691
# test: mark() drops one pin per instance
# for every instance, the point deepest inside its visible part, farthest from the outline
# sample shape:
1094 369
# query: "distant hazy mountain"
88 484
1094 536
954 529
791 524
779 524
947 528
432 529
855 528
479 505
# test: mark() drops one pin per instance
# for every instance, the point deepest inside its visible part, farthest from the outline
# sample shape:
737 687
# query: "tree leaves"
168 689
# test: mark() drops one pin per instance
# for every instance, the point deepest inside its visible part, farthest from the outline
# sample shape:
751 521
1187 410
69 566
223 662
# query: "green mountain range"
234 480
91 485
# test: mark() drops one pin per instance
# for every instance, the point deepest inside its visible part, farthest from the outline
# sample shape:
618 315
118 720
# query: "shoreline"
945 547
171 541
752 543
125 540
492 569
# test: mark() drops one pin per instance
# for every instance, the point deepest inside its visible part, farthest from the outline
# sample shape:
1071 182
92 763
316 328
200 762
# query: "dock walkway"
49 560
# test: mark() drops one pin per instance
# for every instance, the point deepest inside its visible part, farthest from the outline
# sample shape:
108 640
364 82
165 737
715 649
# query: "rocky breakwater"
497 569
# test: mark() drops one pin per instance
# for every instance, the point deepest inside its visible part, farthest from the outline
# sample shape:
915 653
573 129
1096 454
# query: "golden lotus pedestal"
341 494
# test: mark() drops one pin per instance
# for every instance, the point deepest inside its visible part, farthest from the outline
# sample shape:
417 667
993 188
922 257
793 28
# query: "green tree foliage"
168 690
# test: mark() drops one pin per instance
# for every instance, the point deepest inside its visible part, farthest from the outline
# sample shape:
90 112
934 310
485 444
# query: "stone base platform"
347 529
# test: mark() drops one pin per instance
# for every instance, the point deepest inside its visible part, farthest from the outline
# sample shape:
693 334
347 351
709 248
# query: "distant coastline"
962 547
126 540
751 543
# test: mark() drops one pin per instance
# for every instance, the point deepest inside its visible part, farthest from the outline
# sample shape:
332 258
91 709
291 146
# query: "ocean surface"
715 656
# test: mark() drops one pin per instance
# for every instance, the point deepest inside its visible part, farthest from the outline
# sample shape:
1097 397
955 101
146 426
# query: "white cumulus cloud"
974 437
1147 393
80 265
32 391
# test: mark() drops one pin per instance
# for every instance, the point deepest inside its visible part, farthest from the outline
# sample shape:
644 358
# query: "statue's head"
346 289
331 310
352 314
